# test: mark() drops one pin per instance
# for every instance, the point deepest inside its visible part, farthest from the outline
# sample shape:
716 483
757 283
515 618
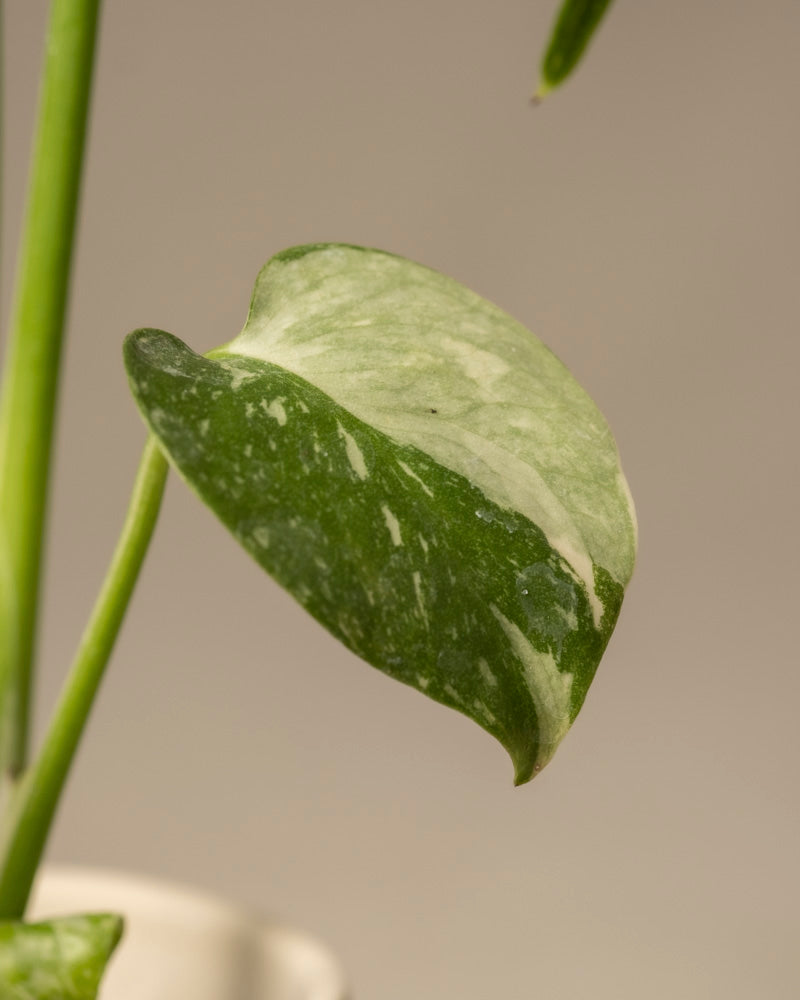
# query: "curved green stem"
30 382
35 801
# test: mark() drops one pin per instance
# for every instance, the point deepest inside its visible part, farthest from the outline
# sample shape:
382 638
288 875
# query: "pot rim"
63 889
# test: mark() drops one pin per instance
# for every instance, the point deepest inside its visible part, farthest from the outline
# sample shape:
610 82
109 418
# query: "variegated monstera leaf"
419 471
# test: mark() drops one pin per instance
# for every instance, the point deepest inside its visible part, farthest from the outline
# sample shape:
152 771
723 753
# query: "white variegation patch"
239 376
354 454
275 409
487 673
410 472
550 689
393 525
416 576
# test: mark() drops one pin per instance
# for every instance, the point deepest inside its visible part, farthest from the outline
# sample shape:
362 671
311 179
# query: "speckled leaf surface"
419 471
60 959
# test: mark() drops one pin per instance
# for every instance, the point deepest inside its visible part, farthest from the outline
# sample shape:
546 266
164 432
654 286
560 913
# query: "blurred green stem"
30 382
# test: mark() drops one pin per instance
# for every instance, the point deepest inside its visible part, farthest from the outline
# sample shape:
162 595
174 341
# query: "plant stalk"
28 401
34 804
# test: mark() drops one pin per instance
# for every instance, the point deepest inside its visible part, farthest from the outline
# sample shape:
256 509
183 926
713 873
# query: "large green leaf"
421 473
60 959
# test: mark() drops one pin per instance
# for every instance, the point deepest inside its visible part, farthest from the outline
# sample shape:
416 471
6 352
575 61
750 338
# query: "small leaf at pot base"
61 959
419 471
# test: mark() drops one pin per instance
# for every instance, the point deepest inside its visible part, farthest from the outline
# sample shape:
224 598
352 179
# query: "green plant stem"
36 798
2 118
27 405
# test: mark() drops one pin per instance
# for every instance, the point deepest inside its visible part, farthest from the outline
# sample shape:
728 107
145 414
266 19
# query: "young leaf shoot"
575 24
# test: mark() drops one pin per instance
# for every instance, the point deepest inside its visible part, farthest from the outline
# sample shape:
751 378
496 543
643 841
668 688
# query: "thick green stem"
35 801
30 380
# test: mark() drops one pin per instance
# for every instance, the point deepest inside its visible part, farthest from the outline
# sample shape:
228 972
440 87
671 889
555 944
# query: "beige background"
645 223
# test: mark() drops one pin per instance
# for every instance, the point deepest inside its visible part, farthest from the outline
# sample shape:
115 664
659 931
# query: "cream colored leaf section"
431 364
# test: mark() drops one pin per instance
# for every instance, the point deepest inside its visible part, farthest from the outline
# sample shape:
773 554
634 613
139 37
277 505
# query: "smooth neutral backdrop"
644 222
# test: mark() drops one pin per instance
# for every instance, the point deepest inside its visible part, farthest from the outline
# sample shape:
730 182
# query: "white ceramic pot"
183 945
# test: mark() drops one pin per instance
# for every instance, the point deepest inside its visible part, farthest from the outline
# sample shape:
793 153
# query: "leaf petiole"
34 804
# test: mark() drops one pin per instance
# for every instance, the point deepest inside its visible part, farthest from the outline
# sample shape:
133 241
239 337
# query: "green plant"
438 492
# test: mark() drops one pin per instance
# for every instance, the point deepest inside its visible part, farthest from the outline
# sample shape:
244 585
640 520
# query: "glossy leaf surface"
419 471
575 24
60 959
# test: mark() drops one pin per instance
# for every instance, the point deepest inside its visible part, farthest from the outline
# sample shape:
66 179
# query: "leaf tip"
540 93
525 766
113 925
